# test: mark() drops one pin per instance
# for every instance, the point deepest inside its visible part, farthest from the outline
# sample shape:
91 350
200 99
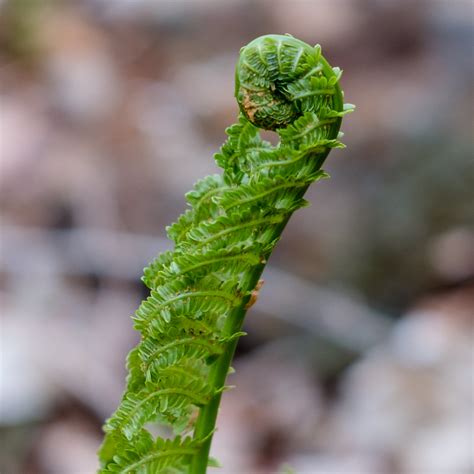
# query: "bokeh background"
359 357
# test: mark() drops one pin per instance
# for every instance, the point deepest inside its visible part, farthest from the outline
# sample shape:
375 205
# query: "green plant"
201 290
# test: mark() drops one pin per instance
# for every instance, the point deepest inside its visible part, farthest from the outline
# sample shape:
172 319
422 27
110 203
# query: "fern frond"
200 291
156 356
234 259
147 456
271 191
229 230
173 397
176 298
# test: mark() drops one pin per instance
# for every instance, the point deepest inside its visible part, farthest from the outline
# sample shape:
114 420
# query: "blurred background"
359 357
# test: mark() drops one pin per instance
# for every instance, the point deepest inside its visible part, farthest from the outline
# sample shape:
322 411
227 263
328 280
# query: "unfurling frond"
200 290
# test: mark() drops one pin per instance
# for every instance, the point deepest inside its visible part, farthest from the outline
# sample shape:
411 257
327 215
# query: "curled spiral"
201 289
279 78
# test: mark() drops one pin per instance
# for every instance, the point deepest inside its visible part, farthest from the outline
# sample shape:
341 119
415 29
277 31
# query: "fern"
200 291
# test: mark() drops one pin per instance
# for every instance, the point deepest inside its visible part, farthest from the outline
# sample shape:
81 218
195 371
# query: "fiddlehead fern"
200 291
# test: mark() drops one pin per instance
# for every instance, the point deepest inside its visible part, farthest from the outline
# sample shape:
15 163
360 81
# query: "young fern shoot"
191 322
